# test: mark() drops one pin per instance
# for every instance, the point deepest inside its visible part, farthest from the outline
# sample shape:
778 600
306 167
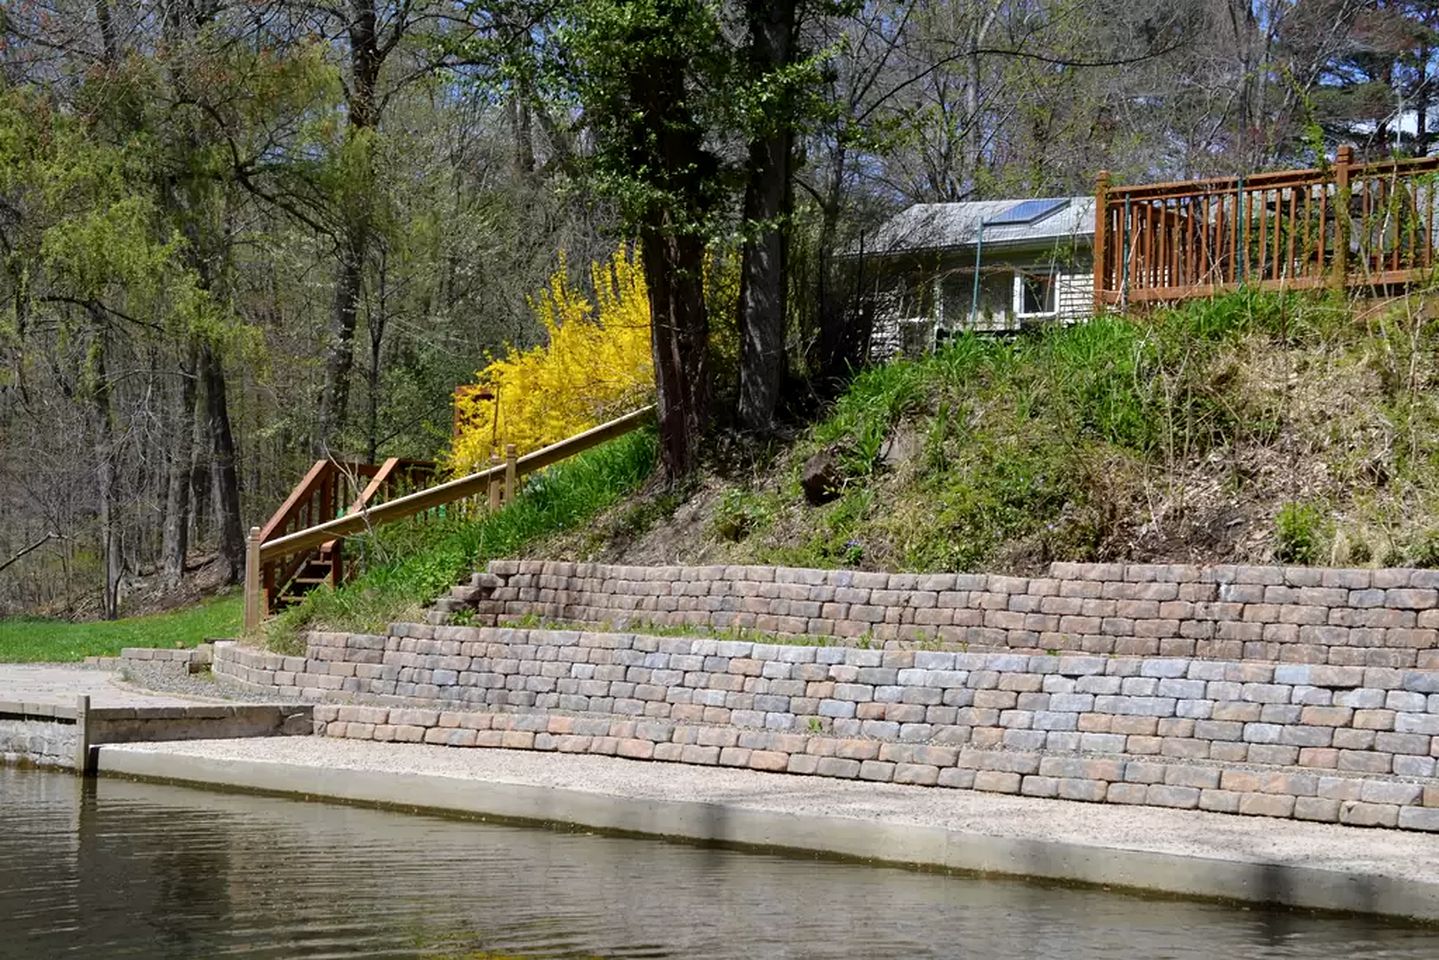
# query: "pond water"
117 869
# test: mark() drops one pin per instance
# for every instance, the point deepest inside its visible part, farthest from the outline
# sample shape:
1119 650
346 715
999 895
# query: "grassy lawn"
37 641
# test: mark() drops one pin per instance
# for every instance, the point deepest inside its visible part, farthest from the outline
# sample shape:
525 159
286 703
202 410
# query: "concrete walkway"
60 685
1179 852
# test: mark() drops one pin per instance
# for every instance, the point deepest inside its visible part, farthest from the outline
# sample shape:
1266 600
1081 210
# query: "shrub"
1300 532
594 366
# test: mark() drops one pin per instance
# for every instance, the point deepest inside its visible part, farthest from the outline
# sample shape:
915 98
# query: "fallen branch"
34 546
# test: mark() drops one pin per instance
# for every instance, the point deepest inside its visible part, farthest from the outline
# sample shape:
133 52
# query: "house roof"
943 226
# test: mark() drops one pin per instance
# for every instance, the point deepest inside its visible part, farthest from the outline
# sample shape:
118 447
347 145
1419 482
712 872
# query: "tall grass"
408 565
1045 438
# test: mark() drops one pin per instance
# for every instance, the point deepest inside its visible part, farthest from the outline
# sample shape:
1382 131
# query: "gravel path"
156 678
1401 855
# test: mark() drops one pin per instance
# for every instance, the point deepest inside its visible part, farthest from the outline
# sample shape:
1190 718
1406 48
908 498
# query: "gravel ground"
155 677
1410 856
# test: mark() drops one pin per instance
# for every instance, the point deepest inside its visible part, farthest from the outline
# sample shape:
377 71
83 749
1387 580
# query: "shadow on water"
120 869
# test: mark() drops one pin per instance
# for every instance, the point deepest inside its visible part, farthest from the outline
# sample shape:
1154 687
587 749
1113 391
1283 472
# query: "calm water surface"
138 870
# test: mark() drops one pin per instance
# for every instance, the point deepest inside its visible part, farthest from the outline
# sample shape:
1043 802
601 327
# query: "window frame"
1049 273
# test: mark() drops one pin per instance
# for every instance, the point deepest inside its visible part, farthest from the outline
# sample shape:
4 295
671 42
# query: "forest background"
236 235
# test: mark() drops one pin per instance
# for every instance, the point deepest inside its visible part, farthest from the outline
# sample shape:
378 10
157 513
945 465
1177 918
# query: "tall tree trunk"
679 332
227 484
670 143
200 454
107 483
973 80
762 270
835 357
366 60
176 539
340 347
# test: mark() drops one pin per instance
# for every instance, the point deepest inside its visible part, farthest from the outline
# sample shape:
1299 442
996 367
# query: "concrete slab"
1189 853
59 684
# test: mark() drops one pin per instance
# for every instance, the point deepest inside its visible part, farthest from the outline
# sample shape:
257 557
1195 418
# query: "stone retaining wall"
1352 799
40 734
188 660
1381 618
47 734
1161 730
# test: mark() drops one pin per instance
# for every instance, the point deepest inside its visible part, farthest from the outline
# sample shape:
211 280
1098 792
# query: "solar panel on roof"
1028 211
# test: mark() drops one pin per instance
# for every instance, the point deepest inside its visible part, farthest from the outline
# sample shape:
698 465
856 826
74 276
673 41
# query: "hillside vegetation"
1252 427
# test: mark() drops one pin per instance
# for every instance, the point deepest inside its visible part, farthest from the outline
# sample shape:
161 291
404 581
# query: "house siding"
1075 295
906 323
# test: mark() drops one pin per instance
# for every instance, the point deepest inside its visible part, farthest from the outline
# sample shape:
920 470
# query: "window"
1034 294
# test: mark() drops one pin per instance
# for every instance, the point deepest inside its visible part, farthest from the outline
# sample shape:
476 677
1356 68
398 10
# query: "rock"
822 478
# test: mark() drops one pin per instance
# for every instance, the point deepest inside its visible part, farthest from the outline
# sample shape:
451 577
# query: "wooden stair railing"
278 553
321 496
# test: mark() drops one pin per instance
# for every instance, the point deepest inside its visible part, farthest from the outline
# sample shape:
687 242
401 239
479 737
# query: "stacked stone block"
1353 799
1377 618
1353 744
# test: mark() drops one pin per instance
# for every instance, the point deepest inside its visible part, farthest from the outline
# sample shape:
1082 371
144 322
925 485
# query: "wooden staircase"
300 548
331 489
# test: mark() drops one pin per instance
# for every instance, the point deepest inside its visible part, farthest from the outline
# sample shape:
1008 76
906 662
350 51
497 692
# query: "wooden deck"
1344 225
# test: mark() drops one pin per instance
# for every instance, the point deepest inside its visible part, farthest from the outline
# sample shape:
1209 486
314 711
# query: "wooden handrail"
367 517
302 490
1273 179
468 486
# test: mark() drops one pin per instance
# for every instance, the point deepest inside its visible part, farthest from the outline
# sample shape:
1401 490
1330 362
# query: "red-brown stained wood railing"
314 499
262 551
1344 225
395 473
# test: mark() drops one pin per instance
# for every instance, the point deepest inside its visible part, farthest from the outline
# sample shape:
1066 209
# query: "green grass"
408 565
1063 442
40 641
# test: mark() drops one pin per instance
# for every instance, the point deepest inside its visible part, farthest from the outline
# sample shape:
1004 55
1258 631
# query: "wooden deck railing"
278 544
1344 225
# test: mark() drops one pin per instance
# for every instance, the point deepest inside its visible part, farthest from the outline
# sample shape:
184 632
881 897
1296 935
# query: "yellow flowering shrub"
594 366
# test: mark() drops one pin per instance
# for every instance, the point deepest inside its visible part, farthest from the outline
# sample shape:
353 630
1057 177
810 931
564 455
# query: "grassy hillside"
1247 428
30 641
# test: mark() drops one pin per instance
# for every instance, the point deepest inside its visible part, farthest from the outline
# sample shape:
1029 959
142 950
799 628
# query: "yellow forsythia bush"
594 366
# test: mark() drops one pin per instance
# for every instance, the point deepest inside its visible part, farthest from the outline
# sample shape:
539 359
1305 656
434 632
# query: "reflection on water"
138 870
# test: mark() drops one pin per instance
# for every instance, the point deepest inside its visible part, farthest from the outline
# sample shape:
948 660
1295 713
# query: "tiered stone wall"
1381 618
1345 743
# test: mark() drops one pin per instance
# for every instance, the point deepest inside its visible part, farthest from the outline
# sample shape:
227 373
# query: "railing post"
510 473
254 601
1339 274
494 481
1101 239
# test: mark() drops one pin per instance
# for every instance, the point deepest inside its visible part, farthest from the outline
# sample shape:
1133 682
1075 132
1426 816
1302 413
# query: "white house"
987 265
